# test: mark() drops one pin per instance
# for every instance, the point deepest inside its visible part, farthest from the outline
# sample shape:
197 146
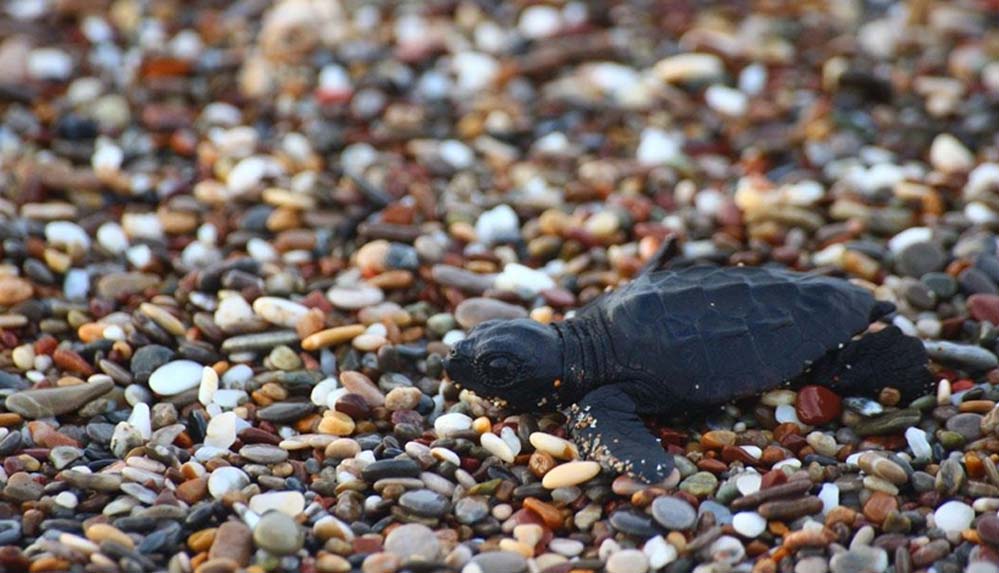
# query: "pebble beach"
238 238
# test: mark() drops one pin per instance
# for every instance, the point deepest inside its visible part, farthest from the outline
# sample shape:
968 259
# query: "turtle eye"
501 368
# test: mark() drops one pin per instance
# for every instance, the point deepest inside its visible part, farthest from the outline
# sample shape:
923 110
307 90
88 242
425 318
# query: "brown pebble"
233 540
790 509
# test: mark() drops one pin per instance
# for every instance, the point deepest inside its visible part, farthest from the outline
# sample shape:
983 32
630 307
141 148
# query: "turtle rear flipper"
887 358
606 426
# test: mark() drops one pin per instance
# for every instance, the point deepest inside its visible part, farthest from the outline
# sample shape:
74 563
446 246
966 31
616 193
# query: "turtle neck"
585 362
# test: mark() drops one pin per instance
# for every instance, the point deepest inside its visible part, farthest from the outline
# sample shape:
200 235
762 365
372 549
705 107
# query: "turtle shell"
712 334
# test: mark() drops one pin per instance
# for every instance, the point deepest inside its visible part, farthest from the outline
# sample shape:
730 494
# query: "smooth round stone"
278 533
984 307
279 311
749 524
633 523
474 311
860 559
627 561
263 453
10 531
968 425
425 502
817 405
226 479
233 313
988 528
723 515
727 549
357 383
555 446
393 468
920 446
175 377
355 297
954 516
566 547
413 541
966 355
497 225
221 432
285 412
497 447
942 284
673 513
500 562
920 258
289 502
453 423
700 484
570 474
749 483
829 494
472 509
659 552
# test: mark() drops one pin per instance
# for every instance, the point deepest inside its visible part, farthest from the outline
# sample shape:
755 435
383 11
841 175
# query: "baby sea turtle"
675 340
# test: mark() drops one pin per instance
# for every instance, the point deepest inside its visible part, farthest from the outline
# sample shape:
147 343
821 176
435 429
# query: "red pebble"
961 385
984 307
818 405
772 478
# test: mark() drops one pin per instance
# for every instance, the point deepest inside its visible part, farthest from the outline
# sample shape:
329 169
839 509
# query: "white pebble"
321 391
727 101
291 503
908 237
76 285
112 237
474 70
949 155
227 479
749 483
107 159
786 413
660 552
67 234
246 175
753 79
497 225
139 256
456 154
279 311
829 494
954 516
221 432
525 281
229 399
689 67
233 312
918 443
50 64
142 226
140 420
497 447
657 146
555 446
452 423
175 377
539 21
749 524
209 385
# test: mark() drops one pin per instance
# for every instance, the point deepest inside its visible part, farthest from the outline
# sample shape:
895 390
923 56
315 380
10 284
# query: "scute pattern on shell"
710 334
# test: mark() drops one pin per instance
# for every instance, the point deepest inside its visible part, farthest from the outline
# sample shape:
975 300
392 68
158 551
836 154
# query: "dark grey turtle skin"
672 341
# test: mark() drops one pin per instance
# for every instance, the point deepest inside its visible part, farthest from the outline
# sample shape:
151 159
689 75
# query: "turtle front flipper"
606 426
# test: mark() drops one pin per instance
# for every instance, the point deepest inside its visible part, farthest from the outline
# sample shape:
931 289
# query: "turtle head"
517 361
